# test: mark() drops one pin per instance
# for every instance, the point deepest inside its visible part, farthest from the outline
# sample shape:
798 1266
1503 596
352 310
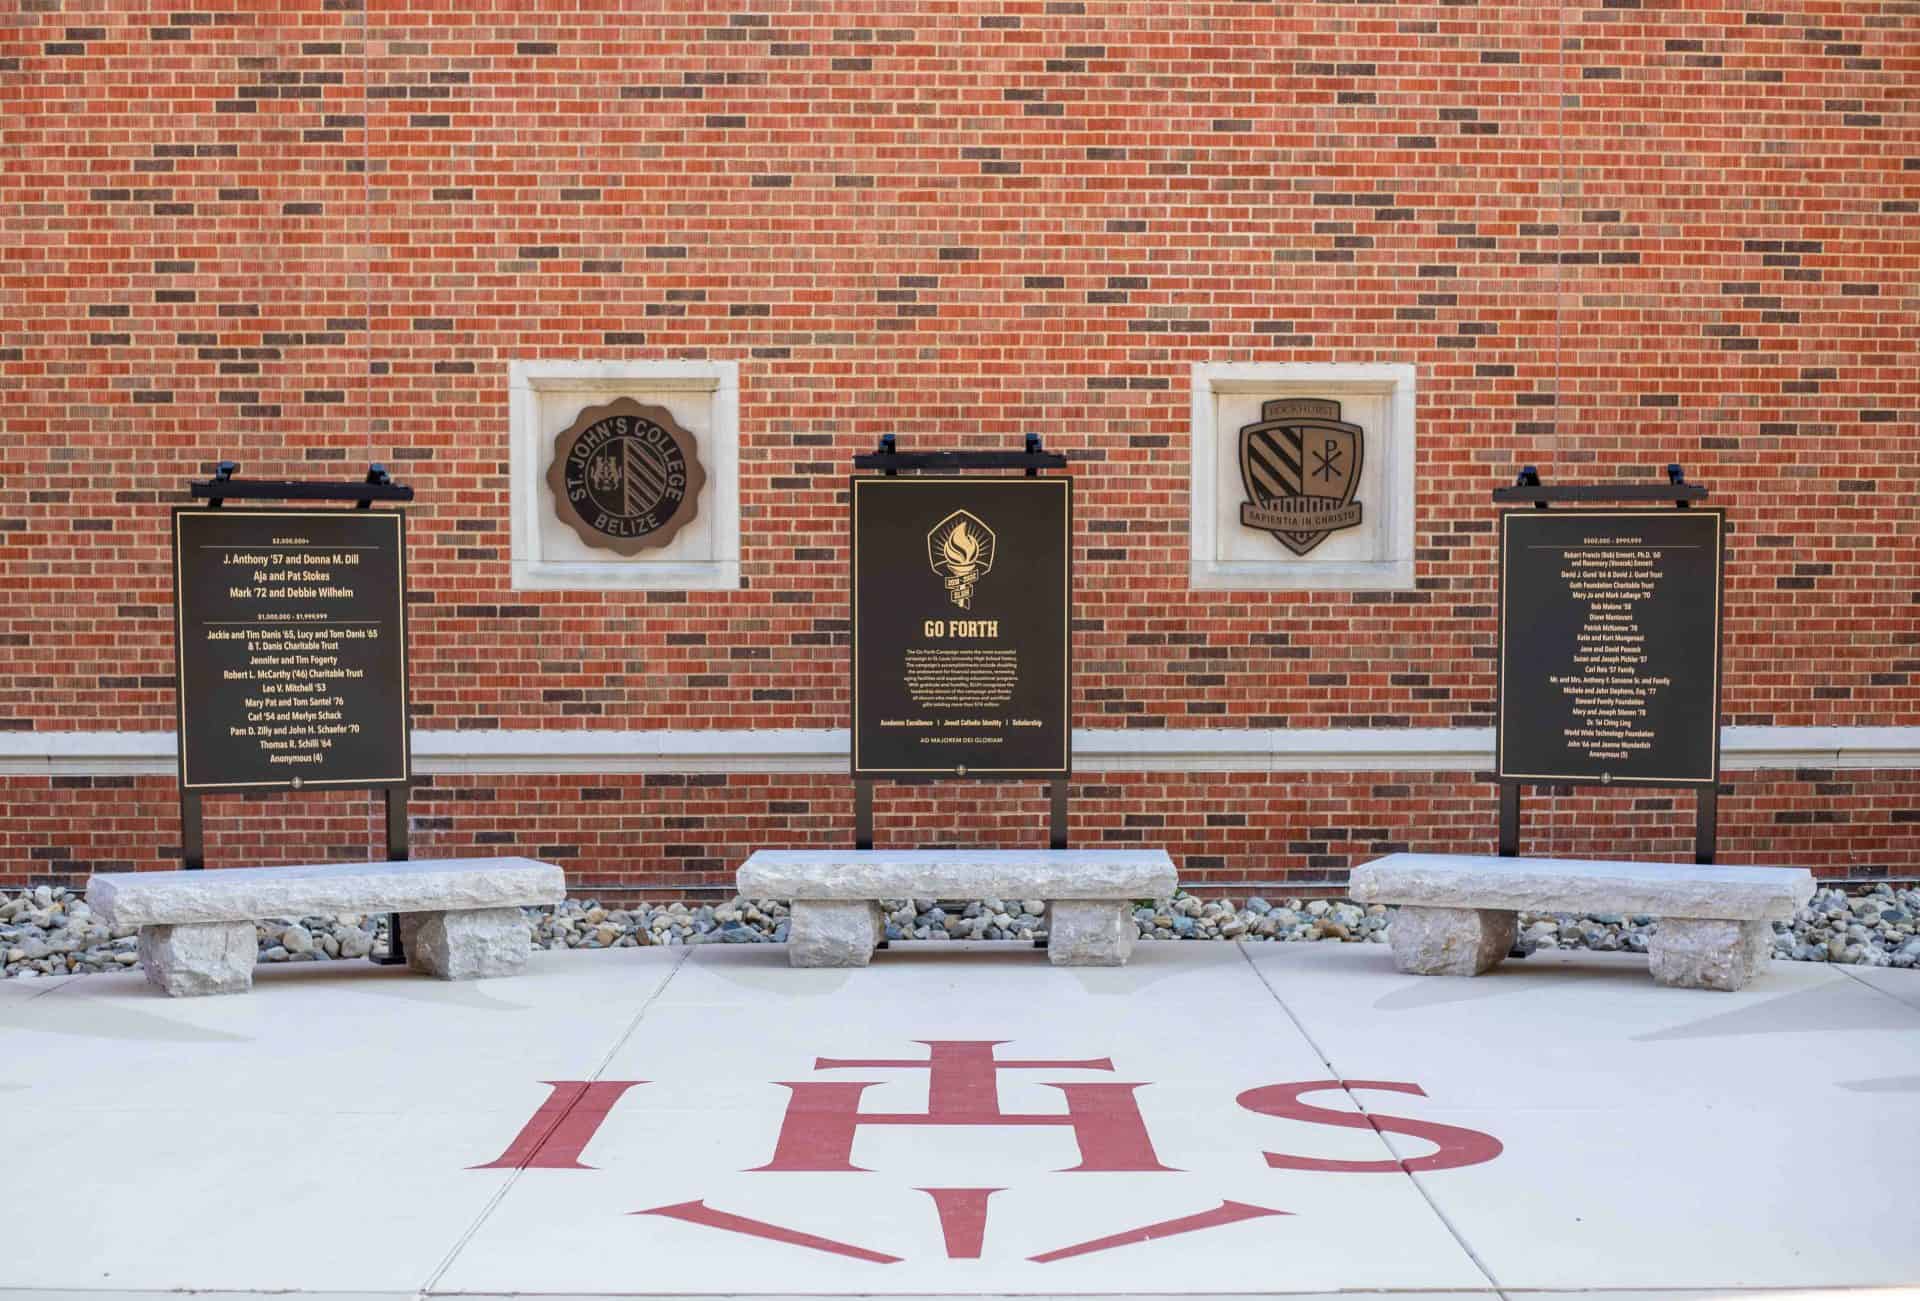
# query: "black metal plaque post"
863 813
384 762
1024 612
1582 574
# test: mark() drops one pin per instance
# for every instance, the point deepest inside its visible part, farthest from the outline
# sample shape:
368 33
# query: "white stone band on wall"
824 750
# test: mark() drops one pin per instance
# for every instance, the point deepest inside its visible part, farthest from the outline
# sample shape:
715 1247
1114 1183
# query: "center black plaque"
290 636
1610 646
962 608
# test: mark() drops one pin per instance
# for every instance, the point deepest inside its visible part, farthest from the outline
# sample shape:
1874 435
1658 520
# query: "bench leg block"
1451 941
1695 954
470 944
1089 932
203 958
833 933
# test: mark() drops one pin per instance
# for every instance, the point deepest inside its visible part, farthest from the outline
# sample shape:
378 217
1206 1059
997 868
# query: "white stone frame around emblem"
715 566
1287 572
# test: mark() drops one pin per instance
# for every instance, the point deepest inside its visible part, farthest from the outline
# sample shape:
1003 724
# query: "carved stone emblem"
626 477
1301 466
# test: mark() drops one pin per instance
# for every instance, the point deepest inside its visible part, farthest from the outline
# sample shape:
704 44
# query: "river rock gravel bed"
49 931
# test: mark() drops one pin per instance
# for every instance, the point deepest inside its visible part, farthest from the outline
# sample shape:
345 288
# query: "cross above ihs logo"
626 477
1300 464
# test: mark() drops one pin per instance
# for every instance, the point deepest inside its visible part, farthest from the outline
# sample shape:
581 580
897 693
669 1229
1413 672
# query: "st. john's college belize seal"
626 477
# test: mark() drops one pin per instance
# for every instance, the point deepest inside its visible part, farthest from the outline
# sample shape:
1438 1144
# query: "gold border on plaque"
682 515
1066 595
179 635
1719 517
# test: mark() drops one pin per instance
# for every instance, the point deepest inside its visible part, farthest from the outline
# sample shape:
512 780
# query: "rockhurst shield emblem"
1301 466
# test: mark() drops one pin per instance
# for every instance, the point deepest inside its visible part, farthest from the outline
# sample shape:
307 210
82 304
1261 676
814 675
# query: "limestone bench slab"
460 918
1458 913
835 894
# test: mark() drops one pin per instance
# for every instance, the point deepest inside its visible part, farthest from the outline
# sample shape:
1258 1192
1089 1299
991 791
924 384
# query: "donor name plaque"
290 636
962 602
1610 645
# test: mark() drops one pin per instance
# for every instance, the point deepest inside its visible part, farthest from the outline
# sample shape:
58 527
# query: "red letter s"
1458 1147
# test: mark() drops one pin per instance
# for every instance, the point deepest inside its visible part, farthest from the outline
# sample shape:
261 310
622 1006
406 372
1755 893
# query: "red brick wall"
682 836
315 234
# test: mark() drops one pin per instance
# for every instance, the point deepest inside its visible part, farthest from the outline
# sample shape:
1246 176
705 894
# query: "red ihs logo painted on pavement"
824 1117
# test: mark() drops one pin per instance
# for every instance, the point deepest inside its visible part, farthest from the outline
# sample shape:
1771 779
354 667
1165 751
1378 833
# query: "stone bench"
835 894
460 918
1458 913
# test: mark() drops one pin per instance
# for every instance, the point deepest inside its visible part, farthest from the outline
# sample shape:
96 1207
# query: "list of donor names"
291 647
298 682
1609 691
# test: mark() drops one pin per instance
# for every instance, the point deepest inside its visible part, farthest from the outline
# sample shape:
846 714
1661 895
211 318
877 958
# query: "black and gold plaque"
626 477
1610 645
962 610
290 648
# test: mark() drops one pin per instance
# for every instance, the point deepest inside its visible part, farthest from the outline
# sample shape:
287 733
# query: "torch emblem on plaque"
960 549
1301 466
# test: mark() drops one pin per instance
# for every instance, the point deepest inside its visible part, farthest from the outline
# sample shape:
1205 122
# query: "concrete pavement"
1214 1119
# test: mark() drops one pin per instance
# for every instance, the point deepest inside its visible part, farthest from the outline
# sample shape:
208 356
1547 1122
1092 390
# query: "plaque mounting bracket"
216 492
223 487
890 460
1528 488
